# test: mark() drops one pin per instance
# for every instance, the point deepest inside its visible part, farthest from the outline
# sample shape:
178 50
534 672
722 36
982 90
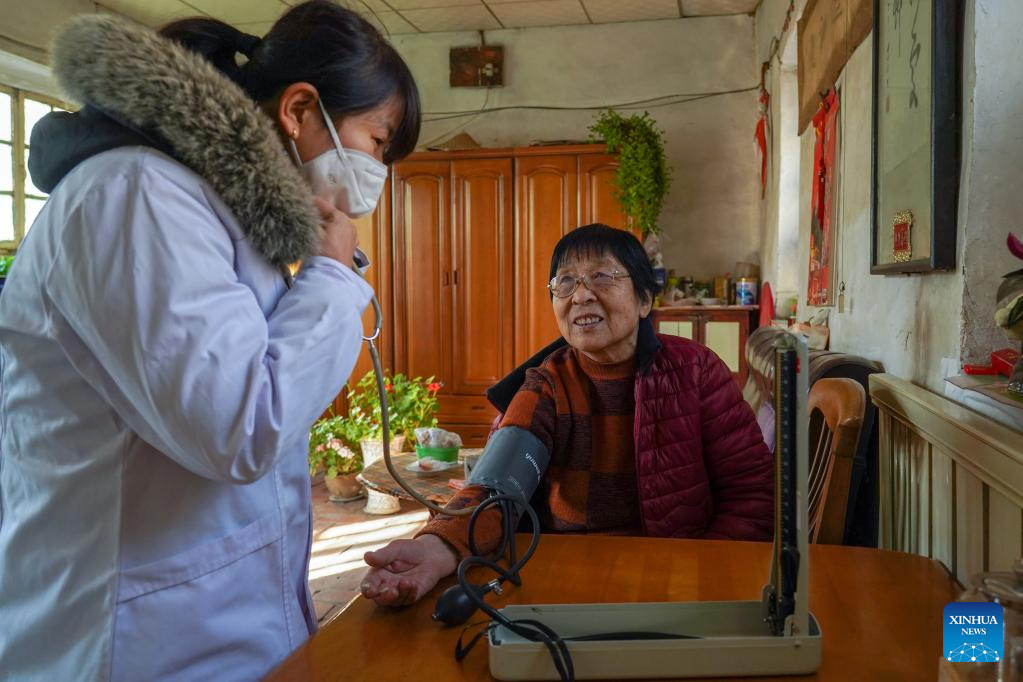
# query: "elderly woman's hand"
404 570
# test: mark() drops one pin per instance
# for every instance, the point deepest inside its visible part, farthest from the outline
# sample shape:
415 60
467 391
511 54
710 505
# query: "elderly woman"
648 434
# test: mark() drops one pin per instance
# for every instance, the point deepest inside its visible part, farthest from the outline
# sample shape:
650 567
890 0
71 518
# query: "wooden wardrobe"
461 259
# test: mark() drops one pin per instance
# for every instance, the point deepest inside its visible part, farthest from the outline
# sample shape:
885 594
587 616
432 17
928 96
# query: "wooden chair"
836 415
862 515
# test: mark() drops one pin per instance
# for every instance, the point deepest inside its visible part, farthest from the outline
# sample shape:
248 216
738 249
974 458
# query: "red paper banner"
822 202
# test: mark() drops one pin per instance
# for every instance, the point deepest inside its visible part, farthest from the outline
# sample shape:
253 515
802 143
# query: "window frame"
19 144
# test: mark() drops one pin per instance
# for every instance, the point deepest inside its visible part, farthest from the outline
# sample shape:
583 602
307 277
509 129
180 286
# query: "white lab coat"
158 383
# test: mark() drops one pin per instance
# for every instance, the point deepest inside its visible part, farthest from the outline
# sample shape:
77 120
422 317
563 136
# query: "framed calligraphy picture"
914 194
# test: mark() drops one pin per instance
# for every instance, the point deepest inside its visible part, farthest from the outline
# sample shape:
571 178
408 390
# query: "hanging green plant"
643 175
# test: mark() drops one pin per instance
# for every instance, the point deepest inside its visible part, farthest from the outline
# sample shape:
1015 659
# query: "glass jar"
1005 589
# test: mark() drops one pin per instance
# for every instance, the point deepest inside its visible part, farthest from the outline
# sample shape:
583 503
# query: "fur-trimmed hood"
141 88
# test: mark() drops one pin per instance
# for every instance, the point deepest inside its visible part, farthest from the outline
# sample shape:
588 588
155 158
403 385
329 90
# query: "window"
20 200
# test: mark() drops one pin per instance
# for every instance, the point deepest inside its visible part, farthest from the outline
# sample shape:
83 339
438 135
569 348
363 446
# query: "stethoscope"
385 420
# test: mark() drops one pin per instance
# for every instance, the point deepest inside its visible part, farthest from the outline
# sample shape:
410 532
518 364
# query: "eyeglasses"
564 286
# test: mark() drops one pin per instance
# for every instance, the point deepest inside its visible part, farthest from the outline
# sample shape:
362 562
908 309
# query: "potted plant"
411 404
643 176
334 448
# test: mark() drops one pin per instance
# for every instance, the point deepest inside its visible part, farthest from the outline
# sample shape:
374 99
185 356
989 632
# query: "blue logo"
972 632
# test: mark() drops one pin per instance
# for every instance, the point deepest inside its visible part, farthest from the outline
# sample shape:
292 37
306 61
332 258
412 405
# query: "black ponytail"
218 42
341 54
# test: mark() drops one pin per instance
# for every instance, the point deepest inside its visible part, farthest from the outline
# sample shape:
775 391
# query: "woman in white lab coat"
160 367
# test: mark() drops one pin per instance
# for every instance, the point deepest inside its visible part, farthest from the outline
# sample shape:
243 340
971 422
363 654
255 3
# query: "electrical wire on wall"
459 127
648 103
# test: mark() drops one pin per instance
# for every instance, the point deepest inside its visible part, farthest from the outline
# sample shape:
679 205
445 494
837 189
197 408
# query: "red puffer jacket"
703 467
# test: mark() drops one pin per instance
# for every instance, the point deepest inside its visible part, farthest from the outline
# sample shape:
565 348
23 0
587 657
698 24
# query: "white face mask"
349 179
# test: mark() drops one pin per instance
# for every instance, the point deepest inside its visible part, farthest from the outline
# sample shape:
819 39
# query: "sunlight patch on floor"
375 524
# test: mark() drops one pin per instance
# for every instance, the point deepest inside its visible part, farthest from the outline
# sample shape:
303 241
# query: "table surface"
880 612
432 485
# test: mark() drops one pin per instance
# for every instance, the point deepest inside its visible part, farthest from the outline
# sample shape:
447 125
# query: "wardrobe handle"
455 276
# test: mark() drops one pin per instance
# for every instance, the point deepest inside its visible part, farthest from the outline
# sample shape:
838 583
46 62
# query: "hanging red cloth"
760 135
822 202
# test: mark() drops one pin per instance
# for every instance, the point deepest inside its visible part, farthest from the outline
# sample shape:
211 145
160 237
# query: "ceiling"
426 16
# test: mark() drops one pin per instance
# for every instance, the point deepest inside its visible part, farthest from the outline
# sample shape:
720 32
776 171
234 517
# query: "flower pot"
381 503
343 488
373 450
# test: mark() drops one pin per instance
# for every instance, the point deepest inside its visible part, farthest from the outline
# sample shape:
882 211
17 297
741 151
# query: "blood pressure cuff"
513 463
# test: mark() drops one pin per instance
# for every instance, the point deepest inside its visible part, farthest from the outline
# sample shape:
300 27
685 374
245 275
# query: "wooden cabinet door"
422 268
481 332
597 203
376 241
687 325
546 209
725 332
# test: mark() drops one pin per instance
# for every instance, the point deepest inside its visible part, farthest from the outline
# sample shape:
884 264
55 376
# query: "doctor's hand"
337 234
404 570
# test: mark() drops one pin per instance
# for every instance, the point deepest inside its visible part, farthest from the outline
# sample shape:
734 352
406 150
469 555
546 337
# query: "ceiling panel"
541 13
246 11
357 5
424 4
607 11
150 12
435 15
469 18
706 8
389 22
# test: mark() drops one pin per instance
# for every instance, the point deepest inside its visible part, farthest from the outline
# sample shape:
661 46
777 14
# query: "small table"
432 485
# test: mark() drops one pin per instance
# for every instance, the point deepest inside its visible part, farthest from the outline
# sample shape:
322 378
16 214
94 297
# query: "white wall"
910 323
710 219
994 175
769 20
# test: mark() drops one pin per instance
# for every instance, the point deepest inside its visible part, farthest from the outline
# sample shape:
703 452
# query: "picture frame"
915 136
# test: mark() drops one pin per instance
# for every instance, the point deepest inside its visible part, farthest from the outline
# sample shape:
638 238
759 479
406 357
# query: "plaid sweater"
583 412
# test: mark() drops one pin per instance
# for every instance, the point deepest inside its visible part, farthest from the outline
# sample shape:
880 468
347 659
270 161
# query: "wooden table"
880 612
432 485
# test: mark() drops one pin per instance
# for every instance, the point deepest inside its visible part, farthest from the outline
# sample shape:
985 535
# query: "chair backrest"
836 416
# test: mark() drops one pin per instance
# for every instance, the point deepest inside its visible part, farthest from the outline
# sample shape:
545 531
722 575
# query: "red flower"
434 387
